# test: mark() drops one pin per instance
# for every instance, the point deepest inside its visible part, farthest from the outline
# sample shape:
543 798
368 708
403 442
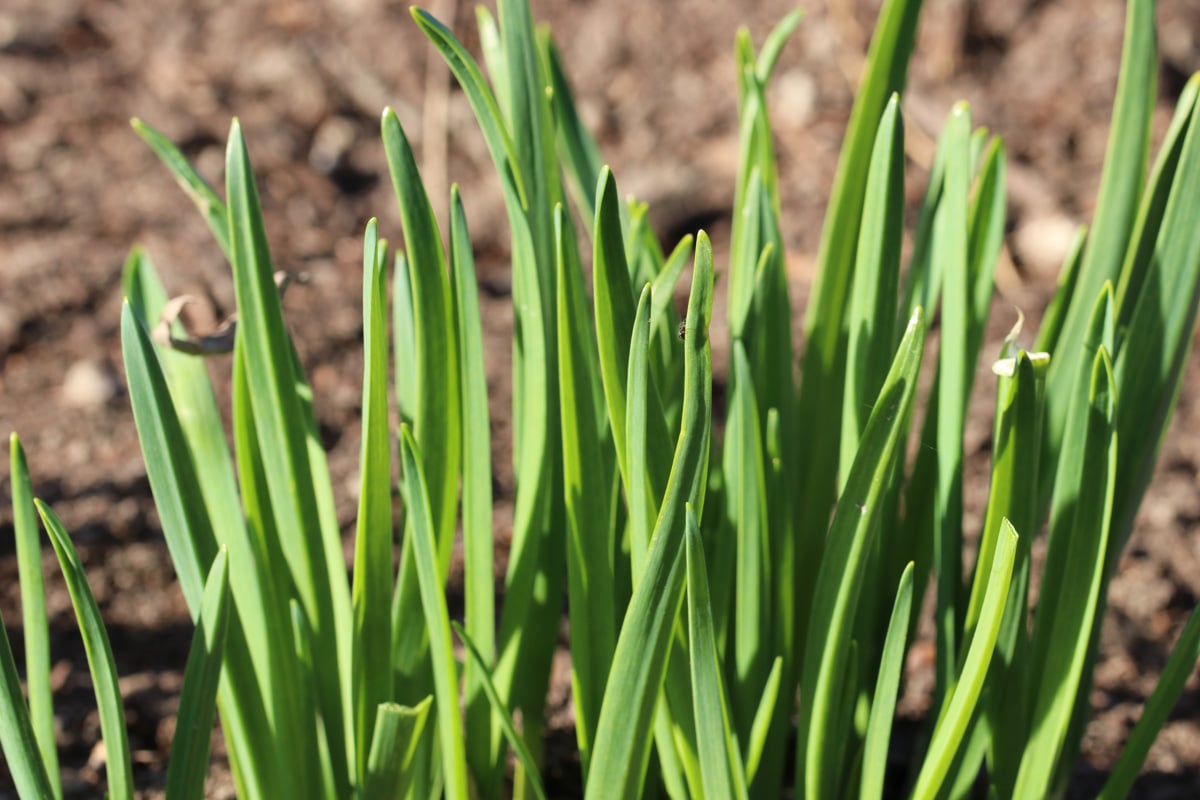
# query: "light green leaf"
839 581
282 414
622 736
35 626
372 589
714 730
887 682
498 707
437 621
118 767
394 744
961 699
1069 625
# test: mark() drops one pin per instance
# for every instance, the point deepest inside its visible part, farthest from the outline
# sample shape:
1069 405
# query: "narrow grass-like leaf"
820 397
35 626
960 702
581 154
491 121
435 424
622 737
1178 669
195 187
773 45
614 309
188 763
437 621
641 509
826 651
498 707
587 478
256 641
1068 627
479 586
17 739
372 589
1120 188
747 505
1014 481
394 744
1150 361
1139 259
950 238
713 726
404 335
761 728
876 282
302 510
119 769
883 703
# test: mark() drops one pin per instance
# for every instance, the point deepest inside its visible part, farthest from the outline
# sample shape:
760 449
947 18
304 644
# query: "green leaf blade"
119 768
188 763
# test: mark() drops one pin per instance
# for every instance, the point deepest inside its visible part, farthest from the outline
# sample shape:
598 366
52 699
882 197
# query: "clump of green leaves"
722 598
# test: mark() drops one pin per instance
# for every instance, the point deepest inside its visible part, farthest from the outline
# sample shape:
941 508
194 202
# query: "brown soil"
656 83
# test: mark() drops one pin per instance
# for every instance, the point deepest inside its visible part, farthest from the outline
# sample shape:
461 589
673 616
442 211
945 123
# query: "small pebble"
88 384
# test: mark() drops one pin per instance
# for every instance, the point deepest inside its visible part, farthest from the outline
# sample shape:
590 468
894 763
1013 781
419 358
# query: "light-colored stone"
88 384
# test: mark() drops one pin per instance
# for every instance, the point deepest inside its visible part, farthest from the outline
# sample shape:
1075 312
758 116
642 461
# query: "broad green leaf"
188 763
839 580
1069 625
284 427
35 627
960 700
372 589
118 767
713 726
437 621
1179 667
394 744
622 737
506 721
887 683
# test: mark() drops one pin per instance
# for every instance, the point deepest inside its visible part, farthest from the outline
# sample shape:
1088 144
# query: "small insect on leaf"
682 331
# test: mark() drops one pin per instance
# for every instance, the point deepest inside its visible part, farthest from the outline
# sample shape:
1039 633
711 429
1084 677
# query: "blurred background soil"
656 84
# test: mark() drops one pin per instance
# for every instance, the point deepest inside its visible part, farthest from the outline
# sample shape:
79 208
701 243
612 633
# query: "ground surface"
656 83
